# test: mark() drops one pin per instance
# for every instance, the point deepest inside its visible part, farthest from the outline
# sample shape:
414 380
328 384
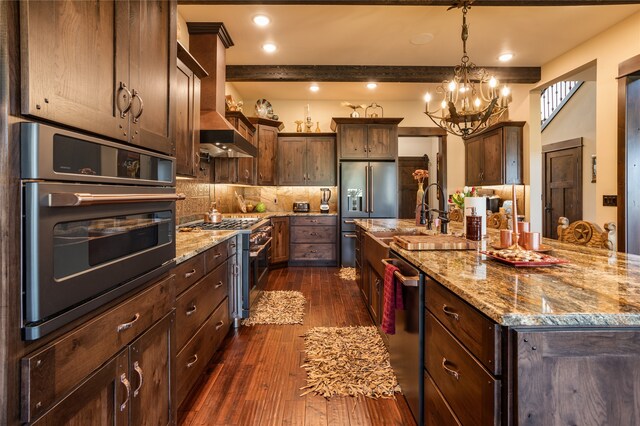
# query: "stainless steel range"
255 246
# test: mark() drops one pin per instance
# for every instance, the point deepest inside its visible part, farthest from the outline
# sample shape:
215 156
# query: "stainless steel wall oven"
98 219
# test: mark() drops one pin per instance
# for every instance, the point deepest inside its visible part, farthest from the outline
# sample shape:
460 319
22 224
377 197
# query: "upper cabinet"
267 138
366 138
187 105
246 167
494 157
103 67
308 160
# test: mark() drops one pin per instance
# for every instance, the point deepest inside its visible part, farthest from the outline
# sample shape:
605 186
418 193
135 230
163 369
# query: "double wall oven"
98 219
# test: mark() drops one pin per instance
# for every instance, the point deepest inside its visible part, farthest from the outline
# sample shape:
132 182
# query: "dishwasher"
406 345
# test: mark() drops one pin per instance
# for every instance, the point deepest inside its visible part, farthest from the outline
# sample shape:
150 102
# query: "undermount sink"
386 237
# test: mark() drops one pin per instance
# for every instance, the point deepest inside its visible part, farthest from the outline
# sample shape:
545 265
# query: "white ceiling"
380 35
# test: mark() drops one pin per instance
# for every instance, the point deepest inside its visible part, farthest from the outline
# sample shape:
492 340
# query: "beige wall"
608 49
183 31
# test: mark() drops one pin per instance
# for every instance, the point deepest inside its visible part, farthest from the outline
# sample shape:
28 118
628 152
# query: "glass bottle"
474 226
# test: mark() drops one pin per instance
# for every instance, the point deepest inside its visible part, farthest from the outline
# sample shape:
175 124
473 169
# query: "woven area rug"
347 273
348 361
277 307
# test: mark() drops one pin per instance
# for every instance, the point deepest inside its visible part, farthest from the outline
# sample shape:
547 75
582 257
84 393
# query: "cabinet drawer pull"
349 221
350 236
190 273
218 285
450 371
219 325
217 255
136 367
313 251
194 358
313 221
191 310
136 94
127 385
123 88
129 324
313 234
449 312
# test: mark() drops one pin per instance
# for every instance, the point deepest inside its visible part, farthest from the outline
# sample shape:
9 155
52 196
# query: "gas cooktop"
230 224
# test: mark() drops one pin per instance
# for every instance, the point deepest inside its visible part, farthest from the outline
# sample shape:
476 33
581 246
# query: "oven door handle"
70 199
256 253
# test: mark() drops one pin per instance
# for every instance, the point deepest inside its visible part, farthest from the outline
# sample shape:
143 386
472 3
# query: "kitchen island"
542 345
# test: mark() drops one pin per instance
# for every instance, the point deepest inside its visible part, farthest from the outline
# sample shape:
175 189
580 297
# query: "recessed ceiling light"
314 88
422 38
371 86
269 47
505 57
261 20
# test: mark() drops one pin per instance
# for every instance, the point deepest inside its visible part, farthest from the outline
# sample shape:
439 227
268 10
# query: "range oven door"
86 244
259 270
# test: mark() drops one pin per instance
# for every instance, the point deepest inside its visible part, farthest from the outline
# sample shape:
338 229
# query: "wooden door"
184 103
280 242
104 398
492 172
267 141
152 73
353 141
75 64
473 162
291 161
632 195
382 141
152 372
321 161
562 188
408 186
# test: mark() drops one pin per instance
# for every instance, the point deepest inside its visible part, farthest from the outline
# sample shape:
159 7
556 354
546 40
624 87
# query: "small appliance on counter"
301 207
324 202
493 203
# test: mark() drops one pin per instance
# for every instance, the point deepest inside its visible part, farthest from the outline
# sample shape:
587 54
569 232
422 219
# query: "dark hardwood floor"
255 379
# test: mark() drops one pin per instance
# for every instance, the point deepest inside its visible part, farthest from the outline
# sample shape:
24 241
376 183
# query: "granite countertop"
268 215
597 287
189 244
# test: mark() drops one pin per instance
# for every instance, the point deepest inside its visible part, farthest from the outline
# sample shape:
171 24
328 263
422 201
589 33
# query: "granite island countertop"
189 244
597 287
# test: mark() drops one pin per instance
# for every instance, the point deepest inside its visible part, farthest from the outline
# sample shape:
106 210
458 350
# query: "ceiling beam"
363 73
417 2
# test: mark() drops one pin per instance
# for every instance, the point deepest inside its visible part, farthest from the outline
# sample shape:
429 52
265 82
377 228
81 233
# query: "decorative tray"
541 249
526 259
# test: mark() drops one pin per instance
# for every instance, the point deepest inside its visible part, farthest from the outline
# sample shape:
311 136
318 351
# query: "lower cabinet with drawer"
202 311
313 240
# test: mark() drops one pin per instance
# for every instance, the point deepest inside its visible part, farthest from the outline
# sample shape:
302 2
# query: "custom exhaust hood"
207 43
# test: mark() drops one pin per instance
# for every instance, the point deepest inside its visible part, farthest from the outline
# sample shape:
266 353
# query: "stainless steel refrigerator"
368 189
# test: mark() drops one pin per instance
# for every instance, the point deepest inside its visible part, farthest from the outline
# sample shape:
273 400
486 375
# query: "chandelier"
471 101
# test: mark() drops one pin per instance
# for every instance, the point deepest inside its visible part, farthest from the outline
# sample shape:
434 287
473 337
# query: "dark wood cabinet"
309 160
246 166
366 138
266 137
313 240
102 67
280 240
187 105
494 157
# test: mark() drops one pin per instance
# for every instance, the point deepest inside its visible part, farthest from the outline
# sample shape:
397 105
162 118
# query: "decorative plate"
543 260
264 108
541 249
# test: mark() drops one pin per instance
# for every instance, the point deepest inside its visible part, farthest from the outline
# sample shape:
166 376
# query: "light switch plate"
610 200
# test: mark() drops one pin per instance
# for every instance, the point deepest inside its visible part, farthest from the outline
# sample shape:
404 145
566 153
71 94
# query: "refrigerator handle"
371 189
366 189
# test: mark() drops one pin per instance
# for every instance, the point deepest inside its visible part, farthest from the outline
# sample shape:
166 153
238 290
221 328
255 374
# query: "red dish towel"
392 299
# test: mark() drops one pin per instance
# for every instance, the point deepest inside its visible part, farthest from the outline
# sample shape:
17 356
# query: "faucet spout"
443 214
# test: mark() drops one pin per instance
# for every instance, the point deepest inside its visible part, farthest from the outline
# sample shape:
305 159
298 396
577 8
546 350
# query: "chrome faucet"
425 211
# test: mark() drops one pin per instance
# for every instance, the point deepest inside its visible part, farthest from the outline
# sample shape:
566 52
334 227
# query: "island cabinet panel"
472 392
280 241
313 240
102 67
580 376
438 413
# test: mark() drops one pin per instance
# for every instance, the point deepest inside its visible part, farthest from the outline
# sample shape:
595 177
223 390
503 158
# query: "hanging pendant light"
472 100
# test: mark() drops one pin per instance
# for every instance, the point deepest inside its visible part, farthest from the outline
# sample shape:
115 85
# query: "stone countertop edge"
189 244
597 288
268 215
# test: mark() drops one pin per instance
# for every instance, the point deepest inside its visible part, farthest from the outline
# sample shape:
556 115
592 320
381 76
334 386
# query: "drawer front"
312 252
194 357
436 411
53 371
197 303
188 272
478 333
216 255
472 393
313 234
313 220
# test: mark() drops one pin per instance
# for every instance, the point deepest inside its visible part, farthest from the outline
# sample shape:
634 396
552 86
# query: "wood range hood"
208 42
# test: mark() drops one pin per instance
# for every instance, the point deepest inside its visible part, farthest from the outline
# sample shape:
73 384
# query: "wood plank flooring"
256 378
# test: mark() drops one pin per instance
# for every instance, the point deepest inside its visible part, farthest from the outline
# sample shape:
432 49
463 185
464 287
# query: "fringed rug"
348 361
277 307
347 273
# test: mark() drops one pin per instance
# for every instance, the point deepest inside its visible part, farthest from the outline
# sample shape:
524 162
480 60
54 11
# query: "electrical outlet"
610 200
275 201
